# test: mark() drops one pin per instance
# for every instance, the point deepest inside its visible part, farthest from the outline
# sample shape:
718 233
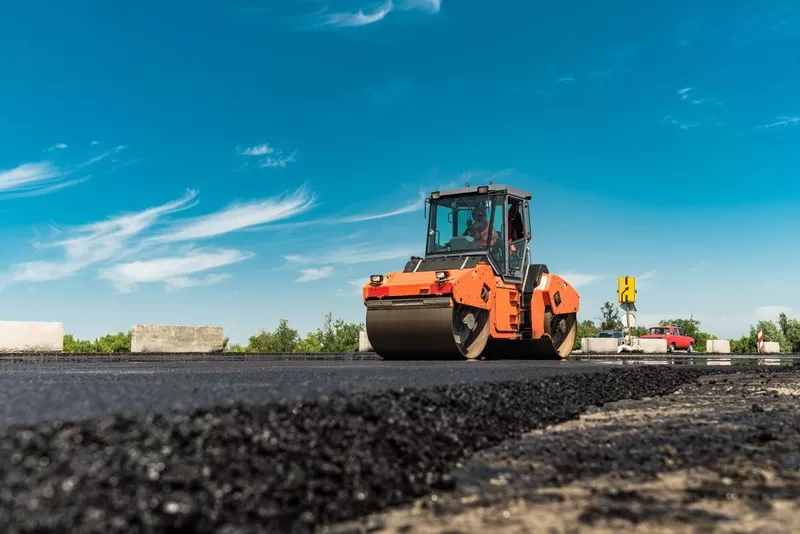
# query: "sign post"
626 295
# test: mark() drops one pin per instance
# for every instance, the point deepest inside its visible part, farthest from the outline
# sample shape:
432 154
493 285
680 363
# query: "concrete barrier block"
650 346
596 345
363 342
718 346
176 338
24 336
772 347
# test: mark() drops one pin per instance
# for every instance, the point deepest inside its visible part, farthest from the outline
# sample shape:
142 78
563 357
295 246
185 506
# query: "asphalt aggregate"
719 454
31 393
288 466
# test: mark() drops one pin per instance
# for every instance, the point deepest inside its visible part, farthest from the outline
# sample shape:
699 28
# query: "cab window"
497 247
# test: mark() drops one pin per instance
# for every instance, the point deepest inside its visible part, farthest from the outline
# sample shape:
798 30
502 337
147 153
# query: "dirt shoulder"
720 454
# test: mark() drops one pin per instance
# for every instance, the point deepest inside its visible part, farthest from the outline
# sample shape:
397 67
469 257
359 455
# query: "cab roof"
513 191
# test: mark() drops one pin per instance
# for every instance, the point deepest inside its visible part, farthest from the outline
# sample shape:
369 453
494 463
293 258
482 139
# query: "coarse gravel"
719 454
286 467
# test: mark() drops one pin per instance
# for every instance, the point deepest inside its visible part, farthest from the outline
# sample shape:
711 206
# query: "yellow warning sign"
626 289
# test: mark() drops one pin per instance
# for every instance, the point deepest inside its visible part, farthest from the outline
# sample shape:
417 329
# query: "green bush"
338 336
109 343
342 336
749 344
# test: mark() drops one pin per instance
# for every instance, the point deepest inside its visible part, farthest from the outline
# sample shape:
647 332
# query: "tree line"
785 331
342 336
334 336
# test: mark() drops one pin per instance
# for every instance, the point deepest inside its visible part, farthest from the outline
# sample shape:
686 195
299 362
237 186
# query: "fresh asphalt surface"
263 466
34 393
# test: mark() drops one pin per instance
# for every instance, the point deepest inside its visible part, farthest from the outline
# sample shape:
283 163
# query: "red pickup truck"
675 338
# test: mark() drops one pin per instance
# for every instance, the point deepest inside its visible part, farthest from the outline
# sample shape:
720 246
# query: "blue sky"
235 162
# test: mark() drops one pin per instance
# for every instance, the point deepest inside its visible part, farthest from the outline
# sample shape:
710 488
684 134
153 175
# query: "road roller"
475 294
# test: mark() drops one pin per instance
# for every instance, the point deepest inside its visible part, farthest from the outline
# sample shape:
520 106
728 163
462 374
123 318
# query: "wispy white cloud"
702 101
34 179
135 248
279 160
352 255
123 164
258 150
110 152
408 208
647 275
295 258
682 124
44 190
57 146
416 205
95 143
566 79
580 279
376 13
274 158
43 271
239 216
183 282
43 177
352 287
473 176
96 242
359 18
132 257
430 6
780 121
684 95
369 253
312 274
357 253
28 175
173 271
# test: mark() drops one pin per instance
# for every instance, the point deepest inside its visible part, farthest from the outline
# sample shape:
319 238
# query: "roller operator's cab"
490 222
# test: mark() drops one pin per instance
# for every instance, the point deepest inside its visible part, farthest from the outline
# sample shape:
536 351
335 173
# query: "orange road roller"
475 294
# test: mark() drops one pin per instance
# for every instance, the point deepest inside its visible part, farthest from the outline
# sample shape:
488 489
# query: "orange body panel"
550 285
504 319
472 287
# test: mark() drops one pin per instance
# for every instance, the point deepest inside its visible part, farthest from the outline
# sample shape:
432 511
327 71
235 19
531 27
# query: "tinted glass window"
458 224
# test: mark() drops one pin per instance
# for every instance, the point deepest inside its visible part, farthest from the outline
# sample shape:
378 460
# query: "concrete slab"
772 347
176 338
594 345
650 346
26 336
718 346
